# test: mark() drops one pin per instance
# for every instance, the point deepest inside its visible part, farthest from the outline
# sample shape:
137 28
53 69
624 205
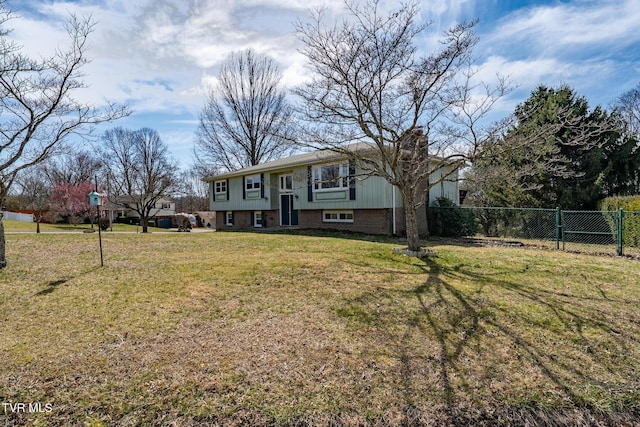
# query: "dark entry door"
288 215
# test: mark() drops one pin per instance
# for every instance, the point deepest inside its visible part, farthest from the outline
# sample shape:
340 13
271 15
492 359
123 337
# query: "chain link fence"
631 232
590 231
601 232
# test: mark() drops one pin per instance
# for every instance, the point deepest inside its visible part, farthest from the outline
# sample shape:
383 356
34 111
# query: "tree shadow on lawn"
54 284
325 232
510 352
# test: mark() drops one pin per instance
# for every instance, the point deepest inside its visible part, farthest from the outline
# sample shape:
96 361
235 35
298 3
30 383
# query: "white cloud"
589 45
522 72
447 11
579 27
295 72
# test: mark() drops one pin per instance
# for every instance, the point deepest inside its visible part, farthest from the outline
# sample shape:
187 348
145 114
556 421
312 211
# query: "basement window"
257 219
337 216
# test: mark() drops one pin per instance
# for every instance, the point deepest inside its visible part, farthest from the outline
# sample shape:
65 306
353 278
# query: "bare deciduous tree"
371 83
628 105
72 168
139 170
34 189
246 120
38 111
191 194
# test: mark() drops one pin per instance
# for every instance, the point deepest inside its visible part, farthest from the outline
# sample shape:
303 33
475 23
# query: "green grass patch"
260 328
30 227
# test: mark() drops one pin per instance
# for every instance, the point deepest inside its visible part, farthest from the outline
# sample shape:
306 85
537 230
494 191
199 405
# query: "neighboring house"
321 189
163 214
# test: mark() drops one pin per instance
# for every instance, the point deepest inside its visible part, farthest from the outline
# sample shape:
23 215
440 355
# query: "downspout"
393 208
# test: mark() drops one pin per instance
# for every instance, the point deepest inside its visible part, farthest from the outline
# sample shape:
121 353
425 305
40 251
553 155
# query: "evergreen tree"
555 151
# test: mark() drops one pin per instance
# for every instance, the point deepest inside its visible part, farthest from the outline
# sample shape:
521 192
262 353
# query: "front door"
288 215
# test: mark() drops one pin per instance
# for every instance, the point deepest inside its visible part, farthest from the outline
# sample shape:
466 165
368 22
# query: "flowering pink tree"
71 202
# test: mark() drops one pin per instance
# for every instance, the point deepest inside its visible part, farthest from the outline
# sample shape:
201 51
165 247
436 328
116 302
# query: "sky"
160 57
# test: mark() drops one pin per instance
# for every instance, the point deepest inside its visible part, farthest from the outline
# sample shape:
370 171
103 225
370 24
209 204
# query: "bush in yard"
104 223
447 219
631 222
627 203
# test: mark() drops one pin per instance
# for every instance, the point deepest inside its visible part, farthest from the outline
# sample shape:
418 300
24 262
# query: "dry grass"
250 328
30 227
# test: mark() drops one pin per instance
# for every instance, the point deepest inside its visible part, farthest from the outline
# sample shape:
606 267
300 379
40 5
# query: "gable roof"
310 158
313 157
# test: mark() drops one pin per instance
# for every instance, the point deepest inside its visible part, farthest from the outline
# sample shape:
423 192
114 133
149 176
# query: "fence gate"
592 231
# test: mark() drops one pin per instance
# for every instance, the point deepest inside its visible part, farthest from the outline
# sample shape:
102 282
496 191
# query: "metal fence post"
561 228
557 227
620 232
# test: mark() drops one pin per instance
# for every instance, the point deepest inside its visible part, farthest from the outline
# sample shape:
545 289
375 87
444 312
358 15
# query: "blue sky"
160 56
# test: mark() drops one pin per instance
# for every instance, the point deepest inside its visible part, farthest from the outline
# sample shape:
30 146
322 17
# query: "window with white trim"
331 177
220 187
337 216
166 206
286 182
252 182
257 219
228 218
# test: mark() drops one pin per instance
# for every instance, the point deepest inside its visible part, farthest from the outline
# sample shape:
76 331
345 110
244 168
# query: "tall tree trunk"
413 235
3 255
145 224
411 219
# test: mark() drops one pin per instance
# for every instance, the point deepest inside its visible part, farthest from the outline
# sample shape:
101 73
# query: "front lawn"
283 329
30 227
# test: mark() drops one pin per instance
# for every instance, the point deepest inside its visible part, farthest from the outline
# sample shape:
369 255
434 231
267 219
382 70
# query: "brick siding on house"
273 218
220 216
370 221
242 220
401 224
423 228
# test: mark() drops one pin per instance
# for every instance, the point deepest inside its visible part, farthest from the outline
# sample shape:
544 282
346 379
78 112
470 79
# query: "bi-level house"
320 189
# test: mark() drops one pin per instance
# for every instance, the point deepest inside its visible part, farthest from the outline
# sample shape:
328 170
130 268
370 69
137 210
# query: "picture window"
331 177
